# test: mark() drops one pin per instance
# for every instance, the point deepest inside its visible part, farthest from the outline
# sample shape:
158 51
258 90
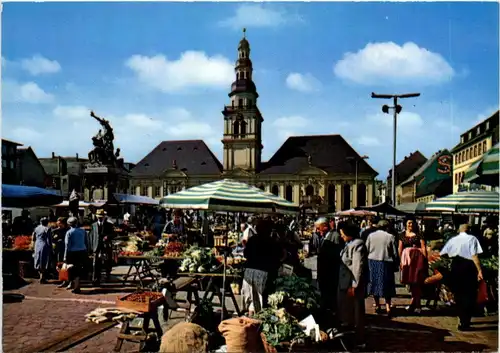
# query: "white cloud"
192 69
38 65
142 121
369 141
27 135
259 15
389 63
287 126
72 112
179 114
302 82
30 92
290 122
407 121
194 129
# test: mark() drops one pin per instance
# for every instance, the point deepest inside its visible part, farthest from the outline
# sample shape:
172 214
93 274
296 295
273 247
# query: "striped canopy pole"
466 202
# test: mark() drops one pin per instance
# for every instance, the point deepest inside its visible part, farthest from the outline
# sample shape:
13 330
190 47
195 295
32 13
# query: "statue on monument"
103 152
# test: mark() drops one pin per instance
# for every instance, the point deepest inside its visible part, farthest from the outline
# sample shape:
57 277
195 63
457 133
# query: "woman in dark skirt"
383 262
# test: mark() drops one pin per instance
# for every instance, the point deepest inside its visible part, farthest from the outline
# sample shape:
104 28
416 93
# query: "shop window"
144 191
157 191
275 190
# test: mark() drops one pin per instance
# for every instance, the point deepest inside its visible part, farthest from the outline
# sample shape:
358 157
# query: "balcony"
231 108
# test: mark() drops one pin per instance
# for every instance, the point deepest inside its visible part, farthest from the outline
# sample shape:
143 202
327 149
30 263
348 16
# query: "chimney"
53 155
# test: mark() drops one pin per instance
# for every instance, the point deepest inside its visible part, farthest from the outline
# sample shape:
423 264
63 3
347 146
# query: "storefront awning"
134 199
21 196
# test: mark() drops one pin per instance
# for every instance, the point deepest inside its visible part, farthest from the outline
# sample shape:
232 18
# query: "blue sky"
162 71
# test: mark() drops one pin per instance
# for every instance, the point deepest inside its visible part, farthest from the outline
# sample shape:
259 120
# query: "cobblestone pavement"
49 311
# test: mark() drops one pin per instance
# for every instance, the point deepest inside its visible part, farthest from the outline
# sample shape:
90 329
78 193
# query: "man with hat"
100 246
327 244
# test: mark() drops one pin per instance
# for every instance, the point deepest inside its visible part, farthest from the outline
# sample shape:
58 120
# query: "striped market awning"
486 170
466 202
228 195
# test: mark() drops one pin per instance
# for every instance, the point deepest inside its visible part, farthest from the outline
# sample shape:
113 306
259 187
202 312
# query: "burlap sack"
242 335
185 337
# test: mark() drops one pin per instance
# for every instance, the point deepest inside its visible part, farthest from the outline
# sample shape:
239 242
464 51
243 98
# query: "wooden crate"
145 307
220 240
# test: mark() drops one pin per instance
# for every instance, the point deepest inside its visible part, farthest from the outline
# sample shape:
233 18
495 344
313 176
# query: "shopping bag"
64 272
482 293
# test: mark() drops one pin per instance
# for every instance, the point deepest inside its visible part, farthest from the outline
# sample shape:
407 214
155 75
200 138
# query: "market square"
343 196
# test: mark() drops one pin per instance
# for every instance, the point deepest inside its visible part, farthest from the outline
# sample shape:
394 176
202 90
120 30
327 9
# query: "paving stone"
32 321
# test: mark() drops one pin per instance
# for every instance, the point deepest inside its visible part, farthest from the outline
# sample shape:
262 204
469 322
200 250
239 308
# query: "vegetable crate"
220 240
145 302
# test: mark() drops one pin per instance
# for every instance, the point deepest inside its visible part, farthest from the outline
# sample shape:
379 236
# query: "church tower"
242 119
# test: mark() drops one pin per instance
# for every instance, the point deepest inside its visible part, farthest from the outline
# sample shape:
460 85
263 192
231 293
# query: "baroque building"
319 171
474 143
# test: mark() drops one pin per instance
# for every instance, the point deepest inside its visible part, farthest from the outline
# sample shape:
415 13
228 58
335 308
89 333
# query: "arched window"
475 151
262 187
331 197
243 128
480 149
236 127
289 193
361 195
346 197
309 190
275 190
467 155
484 146
463 156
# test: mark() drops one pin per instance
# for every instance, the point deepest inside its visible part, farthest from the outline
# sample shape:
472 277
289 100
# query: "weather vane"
244 32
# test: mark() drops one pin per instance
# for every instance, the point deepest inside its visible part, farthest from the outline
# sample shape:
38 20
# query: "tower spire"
244 32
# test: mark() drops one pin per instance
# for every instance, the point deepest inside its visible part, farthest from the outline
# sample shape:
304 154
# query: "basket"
148 306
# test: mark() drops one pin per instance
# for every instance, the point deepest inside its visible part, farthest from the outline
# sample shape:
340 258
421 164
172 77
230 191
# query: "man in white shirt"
465 273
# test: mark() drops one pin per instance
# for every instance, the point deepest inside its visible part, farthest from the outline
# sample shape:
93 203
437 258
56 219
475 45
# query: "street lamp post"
396 109
356 160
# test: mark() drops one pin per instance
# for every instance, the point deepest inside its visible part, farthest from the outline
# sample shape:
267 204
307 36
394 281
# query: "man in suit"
353 280
324 253
100 246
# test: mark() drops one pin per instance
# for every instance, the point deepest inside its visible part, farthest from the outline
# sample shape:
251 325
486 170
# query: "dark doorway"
361 195
289 193
331 198
275 190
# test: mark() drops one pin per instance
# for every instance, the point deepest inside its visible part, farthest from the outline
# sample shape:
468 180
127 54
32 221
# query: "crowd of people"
69 244
350 263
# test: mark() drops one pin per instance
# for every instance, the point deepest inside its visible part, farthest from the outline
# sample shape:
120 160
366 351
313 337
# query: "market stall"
230 196
28 196
467 202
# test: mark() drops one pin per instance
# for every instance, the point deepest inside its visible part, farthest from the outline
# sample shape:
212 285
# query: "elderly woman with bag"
353 280
42 237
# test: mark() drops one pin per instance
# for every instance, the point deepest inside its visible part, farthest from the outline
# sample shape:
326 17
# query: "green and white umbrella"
466 202
228 195
486 170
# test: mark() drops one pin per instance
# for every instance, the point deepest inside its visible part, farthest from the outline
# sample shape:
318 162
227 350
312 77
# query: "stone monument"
104 174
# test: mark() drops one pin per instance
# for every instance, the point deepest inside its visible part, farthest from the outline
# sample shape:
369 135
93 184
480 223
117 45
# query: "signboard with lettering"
440 169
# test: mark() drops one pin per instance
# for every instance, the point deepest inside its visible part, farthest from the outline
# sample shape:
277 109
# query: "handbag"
482 293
